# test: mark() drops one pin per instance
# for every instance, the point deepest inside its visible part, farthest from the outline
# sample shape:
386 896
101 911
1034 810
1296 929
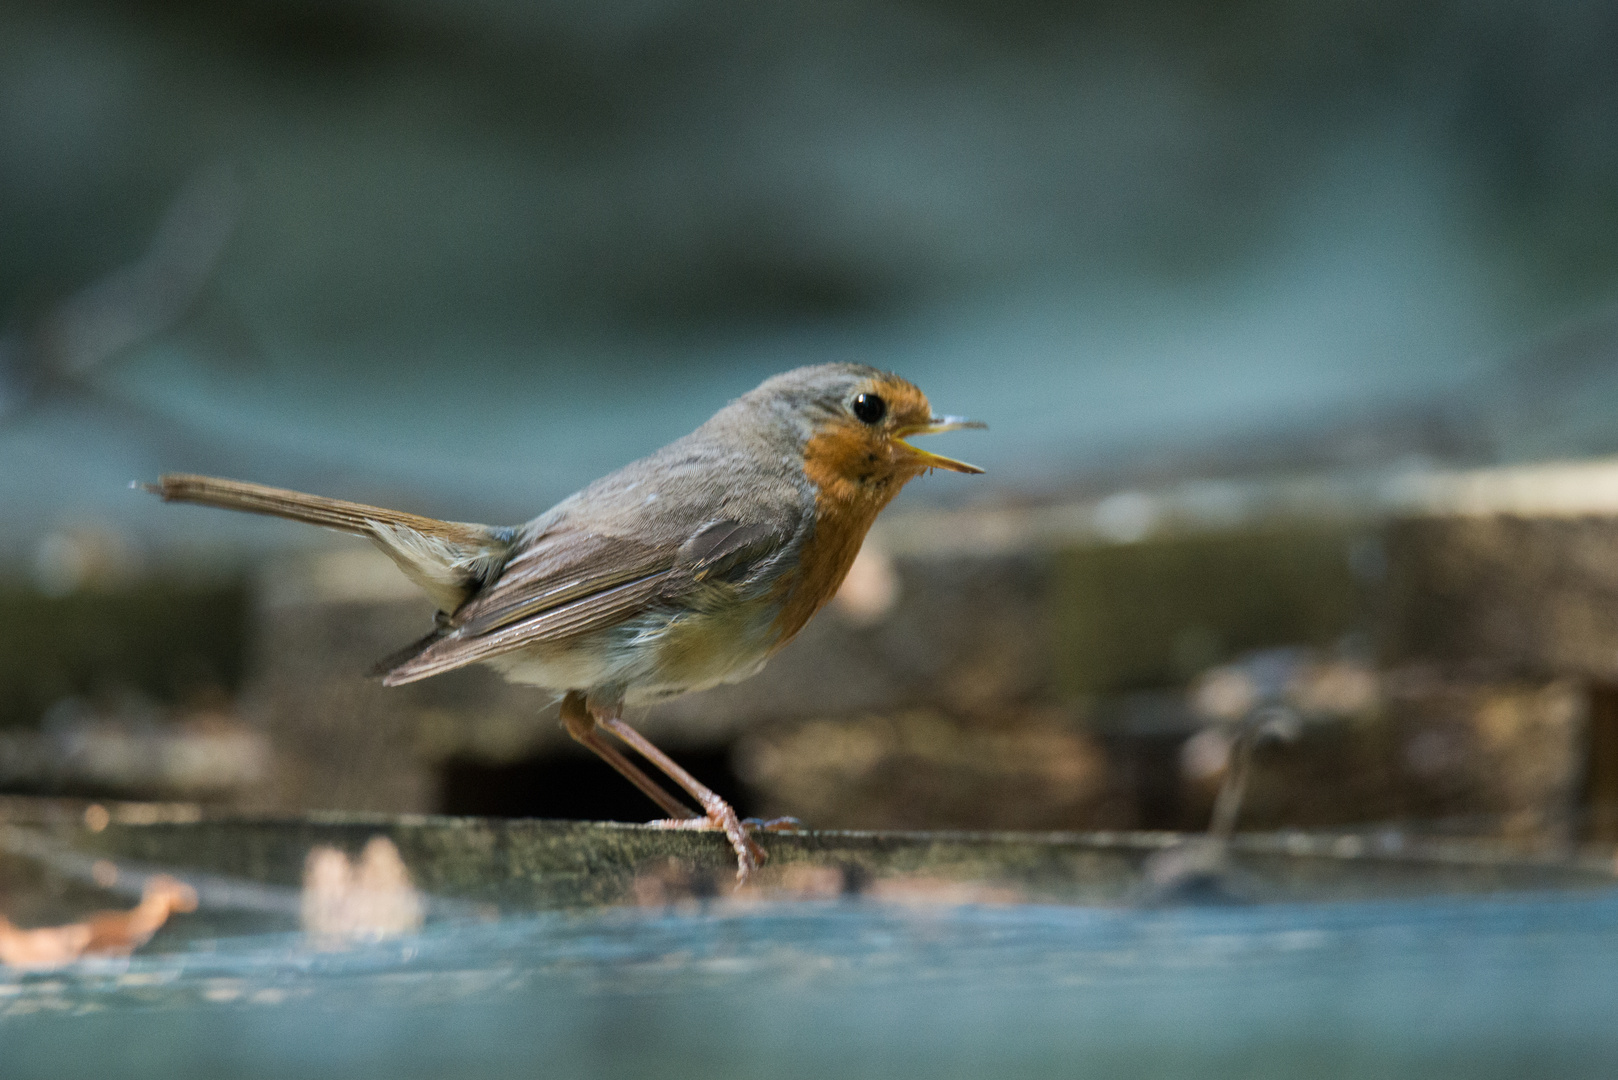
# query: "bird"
678 572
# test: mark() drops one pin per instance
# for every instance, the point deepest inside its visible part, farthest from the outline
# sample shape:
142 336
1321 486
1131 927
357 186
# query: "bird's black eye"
869 408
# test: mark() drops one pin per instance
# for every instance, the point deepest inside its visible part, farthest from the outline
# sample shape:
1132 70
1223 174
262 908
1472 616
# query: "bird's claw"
749 855
774 824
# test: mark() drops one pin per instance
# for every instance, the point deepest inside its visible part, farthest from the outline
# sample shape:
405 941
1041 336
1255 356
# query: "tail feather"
447 559
350 517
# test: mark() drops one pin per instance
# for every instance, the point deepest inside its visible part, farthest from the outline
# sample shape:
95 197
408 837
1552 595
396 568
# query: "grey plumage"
612 550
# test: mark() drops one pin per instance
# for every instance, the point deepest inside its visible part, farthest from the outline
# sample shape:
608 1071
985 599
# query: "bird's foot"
721 817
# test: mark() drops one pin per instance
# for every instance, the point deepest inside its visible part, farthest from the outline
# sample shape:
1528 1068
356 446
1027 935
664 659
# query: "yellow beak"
936 425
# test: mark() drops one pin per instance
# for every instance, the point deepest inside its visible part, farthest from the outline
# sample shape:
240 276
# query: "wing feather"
606 608
566 582
553 571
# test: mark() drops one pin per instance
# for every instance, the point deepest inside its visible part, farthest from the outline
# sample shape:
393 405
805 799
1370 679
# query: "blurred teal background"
466 257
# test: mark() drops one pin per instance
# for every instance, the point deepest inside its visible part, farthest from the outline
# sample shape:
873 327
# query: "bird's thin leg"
582 726
720 814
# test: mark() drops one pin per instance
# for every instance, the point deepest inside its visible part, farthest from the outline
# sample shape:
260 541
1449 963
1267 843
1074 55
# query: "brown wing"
558 569
568 583
603 609
728 550
559 585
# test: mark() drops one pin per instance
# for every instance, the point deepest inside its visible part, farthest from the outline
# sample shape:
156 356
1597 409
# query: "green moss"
516 866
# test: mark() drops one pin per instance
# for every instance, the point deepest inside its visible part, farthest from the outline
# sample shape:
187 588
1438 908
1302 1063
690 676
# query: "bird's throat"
852 486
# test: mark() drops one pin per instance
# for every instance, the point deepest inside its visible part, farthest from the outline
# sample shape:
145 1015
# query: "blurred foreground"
1440 991
595 950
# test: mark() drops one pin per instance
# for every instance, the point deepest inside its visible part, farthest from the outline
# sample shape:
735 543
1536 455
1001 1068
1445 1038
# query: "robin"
686 569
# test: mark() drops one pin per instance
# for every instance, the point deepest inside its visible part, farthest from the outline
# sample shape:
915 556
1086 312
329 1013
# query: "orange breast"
853 485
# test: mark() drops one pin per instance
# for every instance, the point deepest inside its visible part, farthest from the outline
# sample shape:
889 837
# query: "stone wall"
1032 678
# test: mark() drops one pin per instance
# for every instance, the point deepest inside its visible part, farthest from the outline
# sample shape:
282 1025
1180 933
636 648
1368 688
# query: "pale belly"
653 656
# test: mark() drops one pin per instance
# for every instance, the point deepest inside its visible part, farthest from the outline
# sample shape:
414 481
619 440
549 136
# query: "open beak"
934 426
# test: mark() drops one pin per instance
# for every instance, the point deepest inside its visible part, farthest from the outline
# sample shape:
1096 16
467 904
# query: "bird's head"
855 423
